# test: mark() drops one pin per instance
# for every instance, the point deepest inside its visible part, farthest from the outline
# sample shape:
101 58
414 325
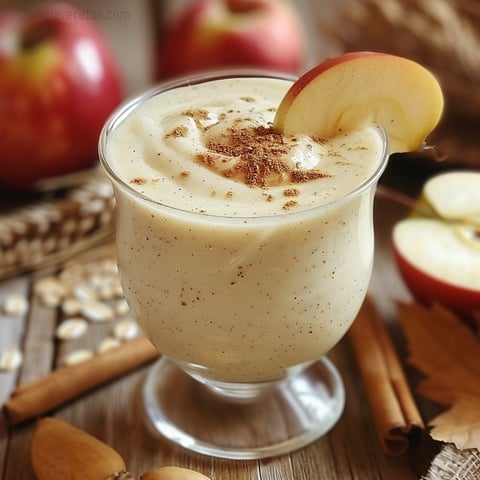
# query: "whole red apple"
212 34
58 84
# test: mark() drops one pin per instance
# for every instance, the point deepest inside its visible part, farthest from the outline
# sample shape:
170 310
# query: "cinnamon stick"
397 420
62 385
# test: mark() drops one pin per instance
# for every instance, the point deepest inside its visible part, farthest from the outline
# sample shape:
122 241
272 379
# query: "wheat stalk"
51 231
444 36
441 34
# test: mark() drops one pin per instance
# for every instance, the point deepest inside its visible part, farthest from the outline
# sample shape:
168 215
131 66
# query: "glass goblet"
242 308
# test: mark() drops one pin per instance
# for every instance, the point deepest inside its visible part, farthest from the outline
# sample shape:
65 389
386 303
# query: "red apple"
344 93
212 34
439 258
58 84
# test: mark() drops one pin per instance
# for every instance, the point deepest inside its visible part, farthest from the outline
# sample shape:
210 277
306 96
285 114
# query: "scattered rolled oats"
88 291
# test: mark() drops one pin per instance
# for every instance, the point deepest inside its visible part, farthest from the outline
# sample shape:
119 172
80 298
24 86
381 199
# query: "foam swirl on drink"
212 150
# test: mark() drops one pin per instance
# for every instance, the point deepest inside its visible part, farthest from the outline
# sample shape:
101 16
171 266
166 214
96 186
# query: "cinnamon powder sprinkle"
177 132
291 192
199 115
288 205
259 152
138 181
301 176
205 158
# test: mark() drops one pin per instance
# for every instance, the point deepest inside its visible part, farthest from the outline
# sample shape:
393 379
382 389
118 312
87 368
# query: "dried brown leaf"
448 353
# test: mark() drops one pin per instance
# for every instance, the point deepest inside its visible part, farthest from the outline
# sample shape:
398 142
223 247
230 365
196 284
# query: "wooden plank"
12 328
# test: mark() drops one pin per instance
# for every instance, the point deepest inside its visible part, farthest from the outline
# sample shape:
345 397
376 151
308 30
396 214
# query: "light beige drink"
243 254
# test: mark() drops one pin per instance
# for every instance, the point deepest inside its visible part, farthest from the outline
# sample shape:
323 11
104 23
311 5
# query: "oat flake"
71 306
97 312
122 307
77 356
126 329
84 293
15 304
107 344
71 328
10 359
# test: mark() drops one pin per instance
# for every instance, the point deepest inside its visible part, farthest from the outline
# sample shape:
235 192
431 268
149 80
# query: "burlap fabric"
454 464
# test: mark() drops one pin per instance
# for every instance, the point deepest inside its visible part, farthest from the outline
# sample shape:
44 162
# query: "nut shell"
61 451
173 473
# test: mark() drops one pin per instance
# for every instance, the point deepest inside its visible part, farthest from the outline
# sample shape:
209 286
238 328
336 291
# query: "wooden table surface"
113 412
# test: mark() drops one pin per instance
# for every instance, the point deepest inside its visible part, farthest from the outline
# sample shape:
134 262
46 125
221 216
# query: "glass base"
297 411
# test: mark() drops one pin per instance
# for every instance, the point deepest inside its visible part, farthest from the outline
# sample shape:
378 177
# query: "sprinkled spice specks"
177 132
138 181
289 204
261 157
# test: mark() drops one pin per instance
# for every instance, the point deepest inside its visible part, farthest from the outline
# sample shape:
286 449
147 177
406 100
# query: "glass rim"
129 105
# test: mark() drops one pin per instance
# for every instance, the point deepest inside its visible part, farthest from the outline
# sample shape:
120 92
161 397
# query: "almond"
173 473
59 450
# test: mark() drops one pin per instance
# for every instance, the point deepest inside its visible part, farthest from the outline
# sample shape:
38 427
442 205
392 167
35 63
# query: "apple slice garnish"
345 93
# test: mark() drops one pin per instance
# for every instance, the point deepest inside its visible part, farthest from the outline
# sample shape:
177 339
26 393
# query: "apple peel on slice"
345 93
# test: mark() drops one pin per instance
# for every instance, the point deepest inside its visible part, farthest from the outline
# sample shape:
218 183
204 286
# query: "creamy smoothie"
243 254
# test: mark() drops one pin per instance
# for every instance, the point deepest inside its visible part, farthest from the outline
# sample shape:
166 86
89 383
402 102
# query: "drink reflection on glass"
245 256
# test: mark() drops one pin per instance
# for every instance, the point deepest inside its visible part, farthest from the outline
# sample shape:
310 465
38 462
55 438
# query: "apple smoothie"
243 253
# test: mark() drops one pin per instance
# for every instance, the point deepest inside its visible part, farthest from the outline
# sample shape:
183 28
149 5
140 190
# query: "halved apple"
344 93
439 258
